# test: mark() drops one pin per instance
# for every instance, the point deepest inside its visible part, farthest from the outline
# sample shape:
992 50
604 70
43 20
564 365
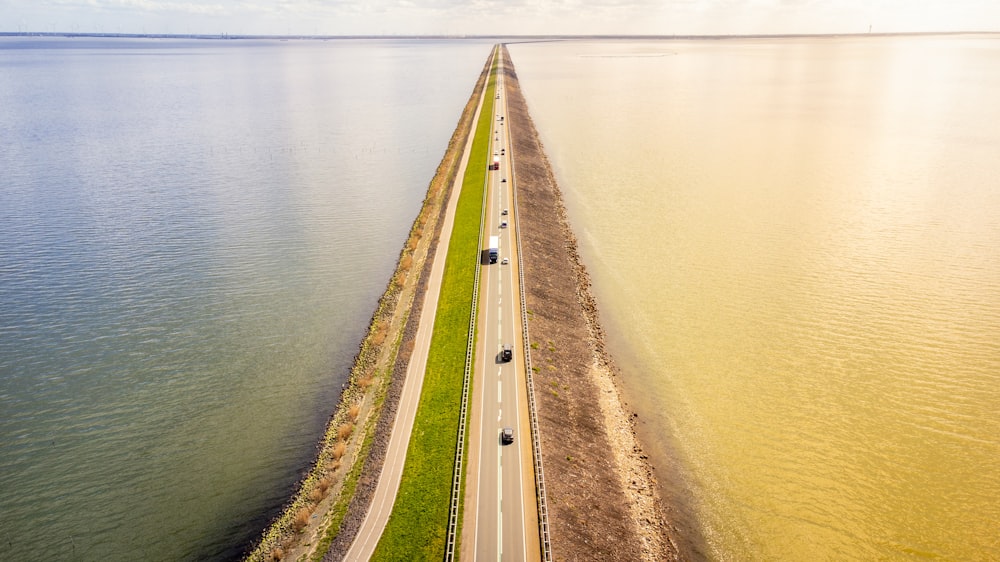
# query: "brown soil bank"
603 502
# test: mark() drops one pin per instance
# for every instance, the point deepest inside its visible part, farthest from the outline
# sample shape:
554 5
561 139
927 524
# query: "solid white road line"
500 504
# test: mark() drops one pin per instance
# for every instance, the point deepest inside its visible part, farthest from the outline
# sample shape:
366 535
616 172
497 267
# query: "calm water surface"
193 235
796 247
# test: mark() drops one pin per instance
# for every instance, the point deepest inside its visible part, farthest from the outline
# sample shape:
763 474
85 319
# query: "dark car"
507 435
507 353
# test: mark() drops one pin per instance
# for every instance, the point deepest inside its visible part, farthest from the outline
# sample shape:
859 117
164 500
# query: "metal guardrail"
536 444
456 482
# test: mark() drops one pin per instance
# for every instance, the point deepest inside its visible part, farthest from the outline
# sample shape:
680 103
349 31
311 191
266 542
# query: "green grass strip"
418 525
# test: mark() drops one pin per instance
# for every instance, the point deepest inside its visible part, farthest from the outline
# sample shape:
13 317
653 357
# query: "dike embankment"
603 499
321 519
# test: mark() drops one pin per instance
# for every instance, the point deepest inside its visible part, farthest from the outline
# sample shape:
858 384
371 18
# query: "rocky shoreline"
603 499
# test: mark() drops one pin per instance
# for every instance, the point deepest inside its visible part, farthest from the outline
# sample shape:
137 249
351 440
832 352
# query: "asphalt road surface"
501 521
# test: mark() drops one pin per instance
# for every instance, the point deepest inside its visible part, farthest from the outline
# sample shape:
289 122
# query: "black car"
507 353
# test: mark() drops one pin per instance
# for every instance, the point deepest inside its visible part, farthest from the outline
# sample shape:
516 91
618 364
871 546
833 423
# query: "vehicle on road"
505 261
507 435
503 180
496 163
504 212
506 353
494 248
503 224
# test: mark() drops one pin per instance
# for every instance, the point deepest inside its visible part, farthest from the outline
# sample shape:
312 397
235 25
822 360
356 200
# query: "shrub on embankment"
281 534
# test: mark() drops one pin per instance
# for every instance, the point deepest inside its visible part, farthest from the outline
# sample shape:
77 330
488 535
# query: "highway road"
388 484
501 516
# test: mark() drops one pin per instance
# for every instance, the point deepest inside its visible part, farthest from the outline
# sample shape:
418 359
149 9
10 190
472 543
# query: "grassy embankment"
418 525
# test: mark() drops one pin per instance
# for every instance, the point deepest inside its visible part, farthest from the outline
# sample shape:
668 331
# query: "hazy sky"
502 17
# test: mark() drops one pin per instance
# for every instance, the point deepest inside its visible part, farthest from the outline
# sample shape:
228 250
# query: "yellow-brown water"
796 248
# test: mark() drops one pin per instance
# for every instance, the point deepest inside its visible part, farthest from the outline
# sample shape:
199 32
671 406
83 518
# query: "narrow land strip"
603 502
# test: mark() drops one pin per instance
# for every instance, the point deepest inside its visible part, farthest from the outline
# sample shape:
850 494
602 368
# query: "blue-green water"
193 235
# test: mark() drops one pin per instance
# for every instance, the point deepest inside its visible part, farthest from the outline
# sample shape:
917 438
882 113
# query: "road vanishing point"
500 514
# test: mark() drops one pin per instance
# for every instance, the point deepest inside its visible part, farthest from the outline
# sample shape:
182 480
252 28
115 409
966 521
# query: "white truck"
494 248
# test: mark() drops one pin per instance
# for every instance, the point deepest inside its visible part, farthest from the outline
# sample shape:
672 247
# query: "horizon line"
228 36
